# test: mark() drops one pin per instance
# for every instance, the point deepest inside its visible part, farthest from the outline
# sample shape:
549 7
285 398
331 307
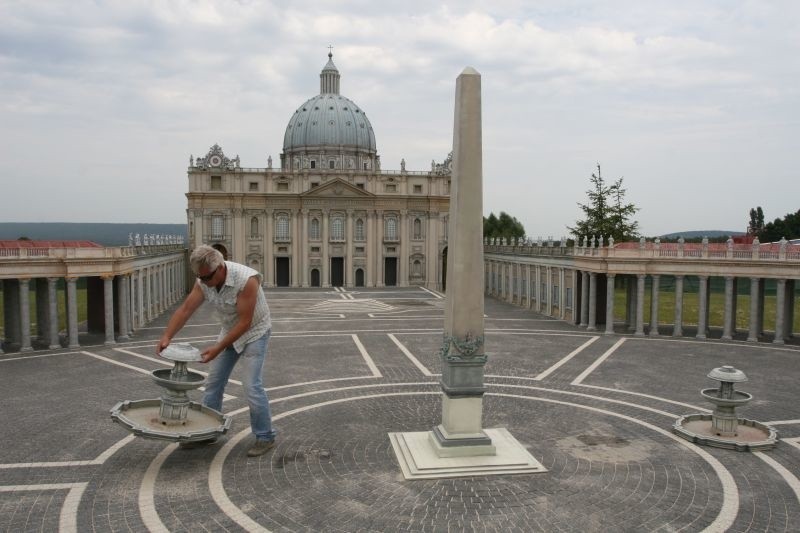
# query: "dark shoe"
260 448
191 445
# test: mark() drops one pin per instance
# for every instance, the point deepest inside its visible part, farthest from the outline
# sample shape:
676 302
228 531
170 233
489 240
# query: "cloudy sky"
695 103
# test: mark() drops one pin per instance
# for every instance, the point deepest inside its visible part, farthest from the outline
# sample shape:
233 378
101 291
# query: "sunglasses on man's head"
208 276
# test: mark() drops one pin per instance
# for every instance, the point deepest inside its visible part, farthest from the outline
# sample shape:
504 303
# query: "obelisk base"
419 459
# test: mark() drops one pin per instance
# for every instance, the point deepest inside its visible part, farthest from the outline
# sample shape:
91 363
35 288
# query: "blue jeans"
252 358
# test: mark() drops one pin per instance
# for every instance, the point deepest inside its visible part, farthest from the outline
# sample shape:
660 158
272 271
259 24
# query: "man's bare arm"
181 316
245 308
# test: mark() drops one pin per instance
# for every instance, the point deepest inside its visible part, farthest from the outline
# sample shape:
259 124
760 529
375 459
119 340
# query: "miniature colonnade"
126 288
577 283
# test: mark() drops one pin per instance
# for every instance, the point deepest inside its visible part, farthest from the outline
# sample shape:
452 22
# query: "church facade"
327 216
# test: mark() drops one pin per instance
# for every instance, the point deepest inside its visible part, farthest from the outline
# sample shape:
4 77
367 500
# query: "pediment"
336 188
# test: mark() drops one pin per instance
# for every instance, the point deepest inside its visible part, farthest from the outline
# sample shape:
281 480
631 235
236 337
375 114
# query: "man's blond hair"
205 255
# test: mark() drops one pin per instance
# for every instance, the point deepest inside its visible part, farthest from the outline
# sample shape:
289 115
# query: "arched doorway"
444 269
222 250
359 277
315 277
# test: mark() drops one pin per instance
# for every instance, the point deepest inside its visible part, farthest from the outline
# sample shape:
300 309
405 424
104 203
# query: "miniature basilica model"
329 216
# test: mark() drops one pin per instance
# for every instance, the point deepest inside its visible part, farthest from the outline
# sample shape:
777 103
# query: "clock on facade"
215 160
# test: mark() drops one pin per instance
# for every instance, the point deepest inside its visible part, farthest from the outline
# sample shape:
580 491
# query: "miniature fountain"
173 417
722 428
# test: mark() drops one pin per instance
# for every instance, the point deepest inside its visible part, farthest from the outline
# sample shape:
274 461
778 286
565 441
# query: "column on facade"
790 300
325 235
729 314
780 311
122 306
52 313
348 250
562 304
529 269
369 268
610 303
11 303
269 240
702 318
297 261
584 298
72 312
539 307
150 302
591 323
305 266
753 319
108 305
25 314
654 305
431 252
403 249
510 267
549 289
677 328
762 291
379 248
640 279
140 309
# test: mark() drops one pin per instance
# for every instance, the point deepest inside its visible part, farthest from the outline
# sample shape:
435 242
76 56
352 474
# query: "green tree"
504 226
756 225
787 227
606 212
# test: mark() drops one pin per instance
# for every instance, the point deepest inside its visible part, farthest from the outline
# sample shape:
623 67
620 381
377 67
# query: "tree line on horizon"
787 227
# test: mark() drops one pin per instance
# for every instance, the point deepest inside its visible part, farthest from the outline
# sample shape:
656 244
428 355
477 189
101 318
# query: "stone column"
538 290
379 248
463 356
677 329
269 244
780 311
72 312
510 279
654 305
25 314
549 272
297 260
584 298
140 280
610 304
348 247
325 281
640 278
305 266
531 287
369 267
702 318
403 250
122 309
729 317
591 324
150 302
52 313
790 300
108 300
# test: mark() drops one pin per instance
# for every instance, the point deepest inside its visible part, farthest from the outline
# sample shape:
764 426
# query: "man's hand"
163 343
210 353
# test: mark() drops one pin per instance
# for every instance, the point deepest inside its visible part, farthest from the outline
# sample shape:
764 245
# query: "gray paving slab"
339 383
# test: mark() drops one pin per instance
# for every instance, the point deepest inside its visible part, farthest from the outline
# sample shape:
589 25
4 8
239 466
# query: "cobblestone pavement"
344 369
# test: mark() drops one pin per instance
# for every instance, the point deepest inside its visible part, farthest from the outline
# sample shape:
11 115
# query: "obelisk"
459 446
462 352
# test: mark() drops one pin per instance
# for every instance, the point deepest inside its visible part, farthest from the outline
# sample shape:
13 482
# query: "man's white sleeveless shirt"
224 303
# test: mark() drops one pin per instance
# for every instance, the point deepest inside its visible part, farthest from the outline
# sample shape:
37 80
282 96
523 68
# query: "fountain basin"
187 381
141 417
750 435
739 398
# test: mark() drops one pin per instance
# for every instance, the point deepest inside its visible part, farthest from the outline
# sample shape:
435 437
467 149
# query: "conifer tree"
606 212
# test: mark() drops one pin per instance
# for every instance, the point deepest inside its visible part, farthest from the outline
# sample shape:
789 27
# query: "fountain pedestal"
173 417
722 428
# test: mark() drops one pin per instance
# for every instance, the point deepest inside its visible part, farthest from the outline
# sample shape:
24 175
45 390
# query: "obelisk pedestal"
459 446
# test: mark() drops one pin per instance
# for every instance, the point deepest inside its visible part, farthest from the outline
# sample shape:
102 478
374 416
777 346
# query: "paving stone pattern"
339 382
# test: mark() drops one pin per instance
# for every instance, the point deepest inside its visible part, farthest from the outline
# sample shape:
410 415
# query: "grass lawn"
666 309
62 310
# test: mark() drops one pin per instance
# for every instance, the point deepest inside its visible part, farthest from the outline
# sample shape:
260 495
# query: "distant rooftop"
48 244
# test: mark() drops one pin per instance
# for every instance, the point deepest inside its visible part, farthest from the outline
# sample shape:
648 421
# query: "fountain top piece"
727 374
181 351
